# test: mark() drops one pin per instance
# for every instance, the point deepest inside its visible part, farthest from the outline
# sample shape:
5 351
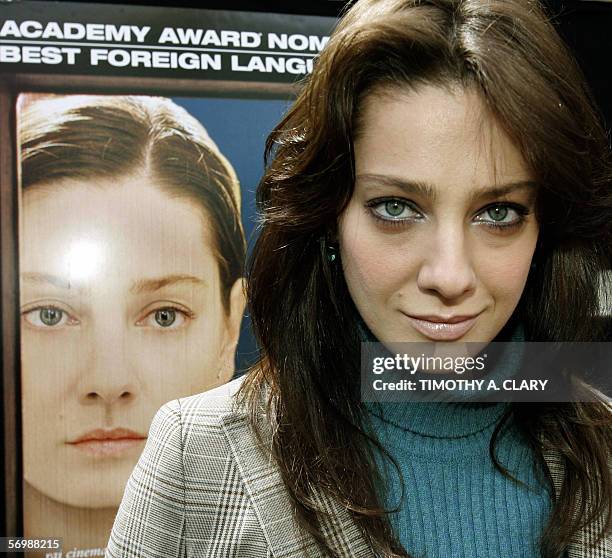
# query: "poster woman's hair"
91 137
309 373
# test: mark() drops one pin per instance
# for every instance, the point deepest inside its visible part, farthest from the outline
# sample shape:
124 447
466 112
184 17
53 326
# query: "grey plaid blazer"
203 487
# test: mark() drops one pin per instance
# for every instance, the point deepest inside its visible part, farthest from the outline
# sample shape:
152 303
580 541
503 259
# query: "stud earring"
332 252
329 249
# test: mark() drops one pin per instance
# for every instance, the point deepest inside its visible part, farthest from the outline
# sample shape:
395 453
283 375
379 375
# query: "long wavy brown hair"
302 313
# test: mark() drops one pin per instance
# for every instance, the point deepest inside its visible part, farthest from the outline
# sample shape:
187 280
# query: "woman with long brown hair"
443 176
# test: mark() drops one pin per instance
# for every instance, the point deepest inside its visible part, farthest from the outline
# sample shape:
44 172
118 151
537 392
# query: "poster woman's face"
441 225
121 311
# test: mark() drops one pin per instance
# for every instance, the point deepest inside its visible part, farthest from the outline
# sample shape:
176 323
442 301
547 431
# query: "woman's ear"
237 302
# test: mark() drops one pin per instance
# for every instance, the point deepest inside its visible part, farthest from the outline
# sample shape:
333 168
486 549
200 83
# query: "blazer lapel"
582 545
341 530
274 508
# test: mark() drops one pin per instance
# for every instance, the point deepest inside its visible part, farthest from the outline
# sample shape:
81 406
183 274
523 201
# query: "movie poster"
136 210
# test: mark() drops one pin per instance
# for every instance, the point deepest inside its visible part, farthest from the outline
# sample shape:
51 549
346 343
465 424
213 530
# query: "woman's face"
441 225
121 311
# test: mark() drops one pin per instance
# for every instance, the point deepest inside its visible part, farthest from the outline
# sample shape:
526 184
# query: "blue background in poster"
240 127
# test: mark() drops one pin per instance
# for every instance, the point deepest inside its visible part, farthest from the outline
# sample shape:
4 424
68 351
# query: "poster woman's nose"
109 377
108 395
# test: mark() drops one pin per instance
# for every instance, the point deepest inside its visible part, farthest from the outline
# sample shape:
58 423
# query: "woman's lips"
437 329
102 443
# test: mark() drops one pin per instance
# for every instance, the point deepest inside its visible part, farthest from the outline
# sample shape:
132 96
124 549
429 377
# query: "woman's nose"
108 376
447 268
108 394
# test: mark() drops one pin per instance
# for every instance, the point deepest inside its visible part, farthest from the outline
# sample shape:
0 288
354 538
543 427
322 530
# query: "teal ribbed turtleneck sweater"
456 504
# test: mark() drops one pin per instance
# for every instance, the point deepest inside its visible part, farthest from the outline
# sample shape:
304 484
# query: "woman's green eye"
165 317
502 215
498 212
394 208
50 316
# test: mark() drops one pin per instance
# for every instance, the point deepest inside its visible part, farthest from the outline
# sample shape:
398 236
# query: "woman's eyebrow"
157 283
408 186
54 280
140 286
427 190
501 190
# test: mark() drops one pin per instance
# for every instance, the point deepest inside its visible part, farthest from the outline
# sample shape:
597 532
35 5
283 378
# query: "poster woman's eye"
48 317
165 318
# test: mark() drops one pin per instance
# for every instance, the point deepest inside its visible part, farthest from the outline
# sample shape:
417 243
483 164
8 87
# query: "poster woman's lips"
438 328
101 443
